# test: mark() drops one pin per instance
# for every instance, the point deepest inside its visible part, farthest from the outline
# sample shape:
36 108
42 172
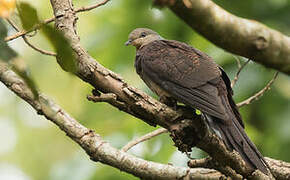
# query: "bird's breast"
154 87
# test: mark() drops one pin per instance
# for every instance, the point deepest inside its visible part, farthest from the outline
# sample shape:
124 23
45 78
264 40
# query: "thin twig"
28 43
209 163
143 138
49 20
38 49
97 149
238 61
88 8
141 105
241 67
24 32
258 94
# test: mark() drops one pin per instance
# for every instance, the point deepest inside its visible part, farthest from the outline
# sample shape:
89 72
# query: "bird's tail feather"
235 138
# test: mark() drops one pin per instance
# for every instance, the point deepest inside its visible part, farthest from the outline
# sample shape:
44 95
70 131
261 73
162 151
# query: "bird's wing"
192 78
187 74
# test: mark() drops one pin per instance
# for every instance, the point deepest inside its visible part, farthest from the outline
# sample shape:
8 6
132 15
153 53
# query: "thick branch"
92 143
187 130
280 169
211 164
101 151
241 36
137 103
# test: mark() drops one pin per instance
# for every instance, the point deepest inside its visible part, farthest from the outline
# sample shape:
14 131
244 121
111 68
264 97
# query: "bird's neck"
150 38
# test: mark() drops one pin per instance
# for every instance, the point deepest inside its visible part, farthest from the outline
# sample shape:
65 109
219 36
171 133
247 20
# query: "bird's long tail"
236 139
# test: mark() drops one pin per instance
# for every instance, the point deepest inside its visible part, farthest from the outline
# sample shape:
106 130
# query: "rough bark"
98 149
101 151
186 128
241 36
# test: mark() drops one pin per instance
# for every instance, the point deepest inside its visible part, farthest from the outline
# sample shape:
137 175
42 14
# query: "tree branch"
93 144
146 137
241 36
49 20
241 67
28 43
260 93
187 129
101 151
279 168
211 164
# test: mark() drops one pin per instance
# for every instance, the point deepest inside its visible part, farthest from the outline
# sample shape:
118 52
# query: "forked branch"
260 93
27 41
50 20
136 103
241 67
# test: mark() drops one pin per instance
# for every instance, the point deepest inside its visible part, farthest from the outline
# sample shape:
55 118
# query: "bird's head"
142 36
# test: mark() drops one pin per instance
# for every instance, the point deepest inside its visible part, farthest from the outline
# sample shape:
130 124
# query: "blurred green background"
33 148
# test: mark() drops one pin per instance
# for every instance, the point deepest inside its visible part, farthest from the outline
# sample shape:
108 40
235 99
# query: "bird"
178 72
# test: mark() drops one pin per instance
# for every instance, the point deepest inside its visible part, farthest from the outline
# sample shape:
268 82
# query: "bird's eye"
143 34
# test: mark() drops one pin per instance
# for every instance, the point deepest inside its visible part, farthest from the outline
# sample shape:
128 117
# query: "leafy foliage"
103 33
65 54
24 74
28 15
6 53
29 18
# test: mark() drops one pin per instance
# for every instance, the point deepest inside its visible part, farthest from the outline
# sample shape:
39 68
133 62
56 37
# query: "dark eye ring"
143 34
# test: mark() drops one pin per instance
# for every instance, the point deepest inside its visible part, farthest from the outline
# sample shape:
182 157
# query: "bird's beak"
128 42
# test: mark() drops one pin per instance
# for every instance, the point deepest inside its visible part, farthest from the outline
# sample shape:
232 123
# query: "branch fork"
116 92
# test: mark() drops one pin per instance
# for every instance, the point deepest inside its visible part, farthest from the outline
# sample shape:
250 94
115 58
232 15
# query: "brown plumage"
176 70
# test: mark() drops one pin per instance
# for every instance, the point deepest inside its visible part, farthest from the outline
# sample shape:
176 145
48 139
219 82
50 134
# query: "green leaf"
65 58
65 54
6 53
3 30
23 73
28 15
